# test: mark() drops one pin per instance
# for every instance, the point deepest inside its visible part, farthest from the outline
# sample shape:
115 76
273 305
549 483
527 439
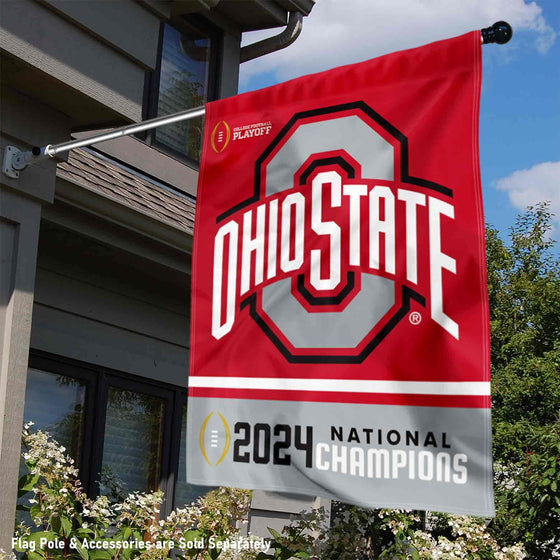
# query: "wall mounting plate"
10 152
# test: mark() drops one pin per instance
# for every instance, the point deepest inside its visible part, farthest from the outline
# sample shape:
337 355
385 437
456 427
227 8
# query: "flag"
340 332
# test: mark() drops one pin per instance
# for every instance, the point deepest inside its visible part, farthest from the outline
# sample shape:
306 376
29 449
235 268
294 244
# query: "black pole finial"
501 32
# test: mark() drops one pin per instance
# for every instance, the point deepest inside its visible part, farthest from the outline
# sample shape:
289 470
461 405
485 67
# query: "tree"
524 296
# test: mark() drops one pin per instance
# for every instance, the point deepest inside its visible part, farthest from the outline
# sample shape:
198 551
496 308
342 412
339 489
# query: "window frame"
152 80
97 380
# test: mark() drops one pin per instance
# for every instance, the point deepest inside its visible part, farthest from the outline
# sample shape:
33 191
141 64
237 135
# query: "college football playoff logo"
214 439
220 137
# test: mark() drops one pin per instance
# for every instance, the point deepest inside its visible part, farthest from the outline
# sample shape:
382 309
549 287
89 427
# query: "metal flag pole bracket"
16 160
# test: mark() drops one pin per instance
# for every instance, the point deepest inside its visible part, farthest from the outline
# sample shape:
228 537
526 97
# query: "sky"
520 99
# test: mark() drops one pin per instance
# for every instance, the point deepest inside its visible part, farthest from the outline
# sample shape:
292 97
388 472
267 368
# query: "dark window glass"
56 403
183 84
185 493
116 425
132 446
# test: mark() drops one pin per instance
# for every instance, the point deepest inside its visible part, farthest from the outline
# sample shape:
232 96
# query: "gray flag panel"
411 457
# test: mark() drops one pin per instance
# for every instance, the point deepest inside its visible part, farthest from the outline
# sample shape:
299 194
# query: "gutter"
275 43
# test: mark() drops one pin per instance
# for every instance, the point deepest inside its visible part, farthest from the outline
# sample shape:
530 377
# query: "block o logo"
356 152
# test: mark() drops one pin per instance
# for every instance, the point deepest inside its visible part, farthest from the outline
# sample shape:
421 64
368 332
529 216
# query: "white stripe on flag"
344 385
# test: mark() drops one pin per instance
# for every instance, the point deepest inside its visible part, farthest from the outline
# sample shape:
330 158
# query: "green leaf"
37 536
55 523
84 533
118 536
100 555
35 511
81 550
126 532
37 555
277 536
26 483
66 525
192 535
21 507
286 554
17 548
137 535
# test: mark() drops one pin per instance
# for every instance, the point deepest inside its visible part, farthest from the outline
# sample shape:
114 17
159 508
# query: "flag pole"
16 160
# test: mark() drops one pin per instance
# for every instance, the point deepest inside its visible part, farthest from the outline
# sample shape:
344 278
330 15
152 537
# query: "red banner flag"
339 315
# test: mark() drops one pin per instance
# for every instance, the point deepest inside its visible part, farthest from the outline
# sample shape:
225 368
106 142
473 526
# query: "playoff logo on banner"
339 329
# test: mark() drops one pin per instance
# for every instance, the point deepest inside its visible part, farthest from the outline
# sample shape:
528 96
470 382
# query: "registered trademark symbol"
415 318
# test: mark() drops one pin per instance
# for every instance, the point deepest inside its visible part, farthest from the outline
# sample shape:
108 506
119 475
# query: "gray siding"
79 50
74 336
105 21
276 510
112 308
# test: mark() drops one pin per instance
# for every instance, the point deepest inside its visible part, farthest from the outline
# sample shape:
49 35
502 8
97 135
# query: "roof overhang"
248 15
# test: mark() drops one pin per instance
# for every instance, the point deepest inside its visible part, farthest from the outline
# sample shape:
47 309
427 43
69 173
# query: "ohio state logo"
326 255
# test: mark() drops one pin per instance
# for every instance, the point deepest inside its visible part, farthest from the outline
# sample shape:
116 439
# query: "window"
56 403
126 433
132 441
185 78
